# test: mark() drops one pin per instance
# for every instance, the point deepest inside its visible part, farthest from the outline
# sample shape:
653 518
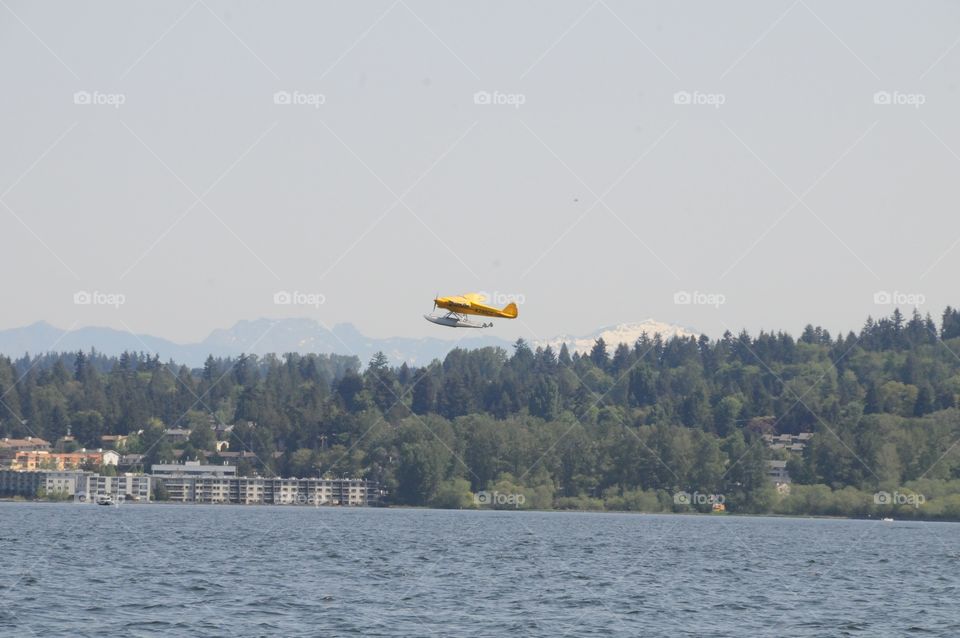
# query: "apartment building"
124 487
271 491
44 460
83 486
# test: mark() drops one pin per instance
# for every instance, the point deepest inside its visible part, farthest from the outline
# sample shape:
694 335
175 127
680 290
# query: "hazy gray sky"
177 177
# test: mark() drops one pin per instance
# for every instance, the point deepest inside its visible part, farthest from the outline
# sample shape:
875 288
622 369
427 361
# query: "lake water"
148 570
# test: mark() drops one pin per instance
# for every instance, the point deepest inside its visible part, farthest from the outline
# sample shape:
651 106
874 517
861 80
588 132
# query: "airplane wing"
475 297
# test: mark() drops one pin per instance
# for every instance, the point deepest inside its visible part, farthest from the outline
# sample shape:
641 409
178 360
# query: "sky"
172 168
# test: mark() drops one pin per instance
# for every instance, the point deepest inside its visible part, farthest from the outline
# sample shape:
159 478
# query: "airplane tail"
510 310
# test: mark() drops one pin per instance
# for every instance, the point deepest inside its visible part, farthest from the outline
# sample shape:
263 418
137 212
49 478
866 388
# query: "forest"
618 428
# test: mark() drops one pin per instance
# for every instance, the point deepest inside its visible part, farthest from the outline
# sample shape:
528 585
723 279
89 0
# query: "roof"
30 440
236 455
192 468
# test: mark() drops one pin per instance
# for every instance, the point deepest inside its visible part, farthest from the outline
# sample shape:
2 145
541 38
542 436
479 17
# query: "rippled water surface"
145 570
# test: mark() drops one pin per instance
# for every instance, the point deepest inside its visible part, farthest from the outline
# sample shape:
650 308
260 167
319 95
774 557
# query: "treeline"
628 427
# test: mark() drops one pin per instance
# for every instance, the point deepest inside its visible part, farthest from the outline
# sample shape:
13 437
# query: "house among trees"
9 447
789 442
114 441
177 435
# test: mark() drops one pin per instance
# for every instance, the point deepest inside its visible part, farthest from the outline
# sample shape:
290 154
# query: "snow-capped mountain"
627 333
263 336
259 336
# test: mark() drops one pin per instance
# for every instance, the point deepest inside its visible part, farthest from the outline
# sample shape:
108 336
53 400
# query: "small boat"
886 519
104 500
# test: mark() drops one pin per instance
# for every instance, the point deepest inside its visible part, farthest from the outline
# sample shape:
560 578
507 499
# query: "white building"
186 488
63 482
125 487
85 487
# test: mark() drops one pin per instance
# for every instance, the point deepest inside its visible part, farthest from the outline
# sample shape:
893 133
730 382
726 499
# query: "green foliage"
202 437
53 495
633 501
623 427
453 494
160 491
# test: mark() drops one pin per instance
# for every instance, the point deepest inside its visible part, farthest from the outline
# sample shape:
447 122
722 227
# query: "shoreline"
439 509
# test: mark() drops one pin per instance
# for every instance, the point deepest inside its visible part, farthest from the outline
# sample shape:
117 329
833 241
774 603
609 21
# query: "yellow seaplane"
458 307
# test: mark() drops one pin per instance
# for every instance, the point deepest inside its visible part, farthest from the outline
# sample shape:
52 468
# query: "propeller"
435 301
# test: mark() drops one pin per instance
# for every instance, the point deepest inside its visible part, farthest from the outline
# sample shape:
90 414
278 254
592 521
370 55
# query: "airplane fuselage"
470 308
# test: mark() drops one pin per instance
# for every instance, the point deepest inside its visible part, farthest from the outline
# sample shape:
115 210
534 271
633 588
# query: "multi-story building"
123 487
33 483
62 482
83 486
271 491
43 460
10 447
130 461
184 487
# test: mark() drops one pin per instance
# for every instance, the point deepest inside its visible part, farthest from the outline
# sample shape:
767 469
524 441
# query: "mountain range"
262 336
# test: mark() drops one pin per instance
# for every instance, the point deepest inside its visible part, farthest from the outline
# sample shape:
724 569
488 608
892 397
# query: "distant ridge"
263 336
627 333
